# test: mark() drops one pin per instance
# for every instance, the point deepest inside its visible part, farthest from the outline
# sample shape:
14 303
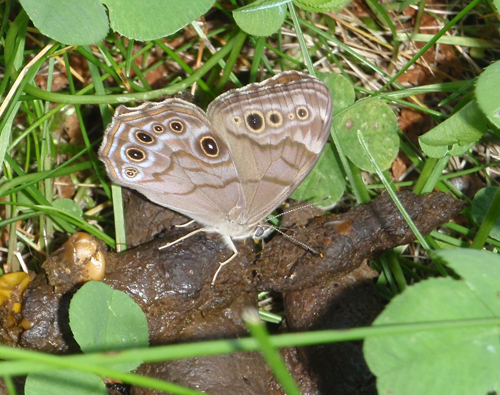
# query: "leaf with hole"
378 124
457 134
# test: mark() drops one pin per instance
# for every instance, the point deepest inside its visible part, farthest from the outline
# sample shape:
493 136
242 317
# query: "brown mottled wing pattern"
275 131
169 152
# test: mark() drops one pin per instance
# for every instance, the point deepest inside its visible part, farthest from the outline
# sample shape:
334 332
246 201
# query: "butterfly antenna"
298 208
295 241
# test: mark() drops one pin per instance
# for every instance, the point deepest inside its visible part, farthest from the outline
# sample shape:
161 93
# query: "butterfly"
228 168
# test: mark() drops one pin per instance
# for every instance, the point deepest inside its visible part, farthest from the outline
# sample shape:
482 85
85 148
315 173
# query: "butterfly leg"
184 225
231 245
182 238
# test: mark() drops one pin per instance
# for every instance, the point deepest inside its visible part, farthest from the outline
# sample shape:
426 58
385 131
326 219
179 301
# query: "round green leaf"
378 124
153 19
103 319
488 97
453 361
262 17
64 382
81 22
341 89
326 179
480 205
483 282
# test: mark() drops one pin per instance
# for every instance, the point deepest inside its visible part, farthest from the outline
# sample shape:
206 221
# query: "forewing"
170 153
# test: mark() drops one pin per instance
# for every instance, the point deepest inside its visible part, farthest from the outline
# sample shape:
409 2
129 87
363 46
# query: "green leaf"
103 319
321 5
81 22
455 135
69 206
326 179
341 89
371 24
480 205
480 270
403 4
64 382
262 17
453 361
439 151
377 122
153 19
488 97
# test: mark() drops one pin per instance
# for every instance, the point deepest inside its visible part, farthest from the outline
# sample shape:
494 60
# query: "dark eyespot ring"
131 172
135 154
302 112
176 126
274 118
144 137
209 146
158 128
255 121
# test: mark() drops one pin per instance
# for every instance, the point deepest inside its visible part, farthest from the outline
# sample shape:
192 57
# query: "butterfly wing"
170 153
275 131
